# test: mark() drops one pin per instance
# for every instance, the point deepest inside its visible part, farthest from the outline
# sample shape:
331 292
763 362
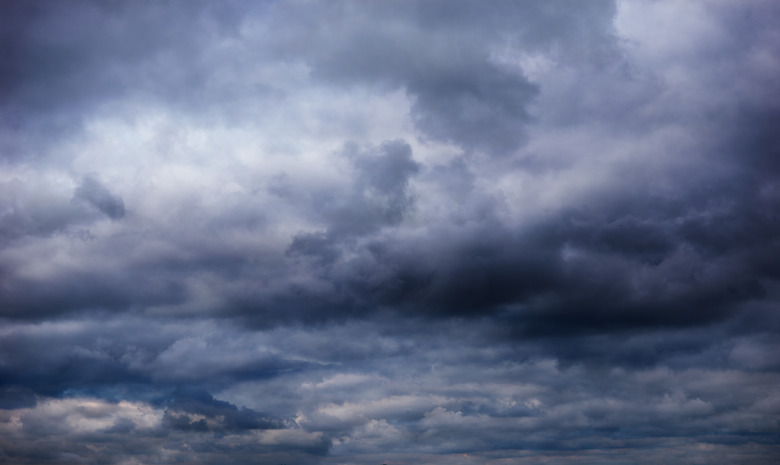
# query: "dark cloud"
96 194
378 198
440 53
34 209
417 232
13 397
217 415
56 73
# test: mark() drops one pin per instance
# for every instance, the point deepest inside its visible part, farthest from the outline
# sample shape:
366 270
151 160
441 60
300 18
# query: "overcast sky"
411 232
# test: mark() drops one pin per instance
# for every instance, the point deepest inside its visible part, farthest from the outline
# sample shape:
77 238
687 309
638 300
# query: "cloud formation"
97 195
417 232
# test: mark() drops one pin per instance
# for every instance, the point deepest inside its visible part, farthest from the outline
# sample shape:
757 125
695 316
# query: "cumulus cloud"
417 232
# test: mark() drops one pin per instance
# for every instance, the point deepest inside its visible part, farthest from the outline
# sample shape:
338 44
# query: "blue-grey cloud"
96 194
418 232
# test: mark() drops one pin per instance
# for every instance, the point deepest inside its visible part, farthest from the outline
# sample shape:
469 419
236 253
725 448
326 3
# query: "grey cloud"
95 193
34 209
13 397
75 291
134 432
379 197
57 73
439 52
442 57
520 404
219 415
562 252
486 112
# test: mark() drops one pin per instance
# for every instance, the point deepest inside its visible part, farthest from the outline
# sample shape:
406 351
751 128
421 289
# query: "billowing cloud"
416 232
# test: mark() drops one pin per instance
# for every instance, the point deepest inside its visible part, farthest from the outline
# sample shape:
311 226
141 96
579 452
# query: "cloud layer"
364 233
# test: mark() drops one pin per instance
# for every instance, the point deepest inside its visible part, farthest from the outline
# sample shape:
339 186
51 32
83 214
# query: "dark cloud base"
364 233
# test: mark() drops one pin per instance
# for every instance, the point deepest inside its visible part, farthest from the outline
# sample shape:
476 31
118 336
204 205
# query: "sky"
389 232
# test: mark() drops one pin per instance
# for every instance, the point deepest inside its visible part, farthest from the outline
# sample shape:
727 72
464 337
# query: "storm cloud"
389 232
